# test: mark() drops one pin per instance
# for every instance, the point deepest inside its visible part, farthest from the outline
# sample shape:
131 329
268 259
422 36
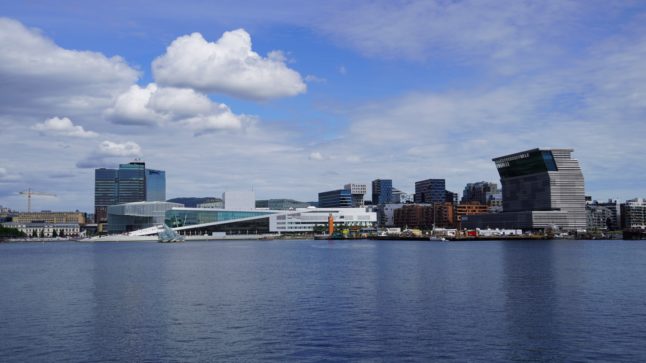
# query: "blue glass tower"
382 191
155 185
132 182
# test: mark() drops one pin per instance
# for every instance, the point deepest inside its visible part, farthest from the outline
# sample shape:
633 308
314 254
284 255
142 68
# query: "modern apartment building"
633 214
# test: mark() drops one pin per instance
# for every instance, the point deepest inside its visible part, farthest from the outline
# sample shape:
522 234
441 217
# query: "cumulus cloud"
228 66
108 153
39 77
62 126
154 105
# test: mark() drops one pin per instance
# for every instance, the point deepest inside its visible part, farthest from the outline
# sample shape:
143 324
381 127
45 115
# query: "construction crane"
30 192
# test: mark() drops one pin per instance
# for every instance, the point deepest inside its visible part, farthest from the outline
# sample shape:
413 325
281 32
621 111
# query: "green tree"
42 233
54 233
62 233
34 234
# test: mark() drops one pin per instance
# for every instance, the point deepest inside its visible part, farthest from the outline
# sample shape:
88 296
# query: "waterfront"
315 300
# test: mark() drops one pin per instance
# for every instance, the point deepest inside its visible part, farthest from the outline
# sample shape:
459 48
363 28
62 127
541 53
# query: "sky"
291 98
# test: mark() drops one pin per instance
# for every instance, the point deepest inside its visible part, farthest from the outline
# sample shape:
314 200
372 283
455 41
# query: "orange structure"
330 224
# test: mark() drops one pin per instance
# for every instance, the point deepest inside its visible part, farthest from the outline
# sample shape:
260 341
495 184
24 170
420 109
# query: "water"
318 300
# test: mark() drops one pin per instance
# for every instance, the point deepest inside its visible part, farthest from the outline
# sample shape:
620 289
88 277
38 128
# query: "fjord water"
320 300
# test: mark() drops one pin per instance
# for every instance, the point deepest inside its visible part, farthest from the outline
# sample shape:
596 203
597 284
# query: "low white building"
46 229
305 219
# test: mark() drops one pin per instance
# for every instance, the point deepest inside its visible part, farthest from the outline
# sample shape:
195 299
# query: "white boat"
436 238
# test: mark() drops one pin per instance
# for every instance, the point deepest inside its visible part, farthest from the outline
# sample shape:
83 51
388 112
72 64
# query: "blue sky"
295 100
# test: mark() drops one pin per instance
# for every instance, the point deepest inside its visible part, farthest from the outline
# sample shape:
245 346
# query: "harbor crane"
30 192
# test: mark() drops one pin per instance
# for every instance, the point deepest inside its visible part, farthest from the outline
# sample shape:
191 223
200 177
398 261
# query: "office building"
481 192
155 185
50 217
129 183
357 192
401 197
633 214
340 198
382 191
542 188
430 191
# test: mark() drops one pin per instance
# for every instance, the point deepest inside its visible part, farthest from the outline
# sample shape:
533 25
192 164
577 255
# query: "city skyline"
296 101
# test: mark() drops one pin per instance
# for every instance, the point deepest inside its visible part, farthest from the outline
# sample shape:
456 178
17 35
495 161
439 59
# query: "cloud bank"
39 77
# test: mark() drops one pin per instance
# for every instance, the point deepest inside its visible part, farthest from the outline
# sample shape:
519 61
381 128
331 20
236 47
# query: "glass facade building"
382 191
340 198
430 191
127 184
155 185
138 215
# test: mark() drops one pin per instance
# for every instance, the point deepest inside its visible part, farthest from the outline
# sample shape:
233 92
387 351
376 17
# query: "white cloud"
131 107
126 149
62 126
40 78
228 66
108 154
162 105
316 156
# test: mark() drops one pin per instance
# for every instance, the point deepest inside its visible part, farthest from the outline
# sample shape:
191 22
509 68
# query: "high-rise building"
127 184
542 188
382 191
155 185
430 191
481 192
340 198
357 192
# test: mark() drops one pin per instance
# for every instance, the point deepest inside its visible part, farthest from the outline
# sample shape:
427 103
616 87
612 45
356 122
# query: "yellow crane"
30 192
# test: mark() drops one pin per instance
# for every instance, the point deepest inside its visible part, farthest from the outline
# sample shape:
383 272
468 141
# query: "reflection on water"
313 300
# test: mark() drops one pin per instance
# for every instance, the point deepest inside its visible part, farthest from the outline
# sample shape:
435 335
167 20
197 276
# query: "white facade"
356 188
305 219
239 200
46 229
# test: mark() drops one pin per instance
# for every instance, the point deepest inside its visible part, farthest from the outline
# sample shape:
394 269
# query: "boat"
167 235
436 238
